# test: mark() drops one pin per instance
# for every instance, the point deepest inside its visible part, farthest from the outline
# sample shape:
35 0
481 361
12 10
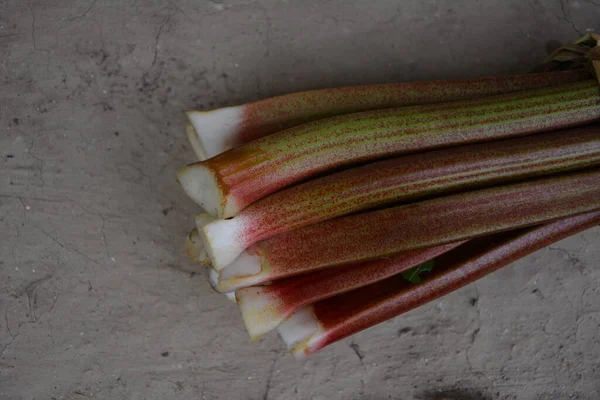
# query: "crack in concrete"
104 236
85 13
12 337
579 320
6 322
165 22
41 162
30 291
568 19
180 10
269 377
32 24
110 381
102 232
40 169
24 208
573 259
101 35
14 250
476 330
72 251
53 303
354 346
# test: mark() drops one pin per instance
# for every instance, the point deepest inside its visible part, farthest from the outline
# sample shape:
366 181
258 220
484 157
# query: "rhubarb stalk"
193 243
401 179
428 223
195 249
263 308
213 132
227 183
195 142
327 321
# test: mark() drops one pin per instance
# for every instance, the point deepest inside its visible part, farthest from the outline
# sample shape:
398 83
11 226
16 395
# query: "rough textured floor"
93 299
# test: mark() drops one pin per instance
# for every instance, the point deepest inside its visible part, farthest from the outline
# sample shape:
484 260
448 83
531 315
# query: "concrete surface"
93 299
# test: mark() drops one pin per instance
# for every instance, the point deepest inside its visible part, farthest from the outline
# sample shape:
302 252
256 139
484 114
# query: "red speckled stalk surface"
416 176
261 167
348 313
264 117
306 289
428 223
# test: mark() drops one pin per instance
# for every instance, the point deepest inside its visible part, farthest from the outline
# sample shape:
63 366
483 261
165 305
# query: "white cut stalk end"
221 240
243 272
201 185
245 265
231 296
217 130
261 312
192 136
195 248
213 278
203 219
298 330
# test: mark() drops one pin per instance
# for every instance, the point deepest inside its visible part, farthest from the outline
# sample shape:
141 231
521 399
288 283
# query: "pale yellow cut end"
201 185
192 136
195 249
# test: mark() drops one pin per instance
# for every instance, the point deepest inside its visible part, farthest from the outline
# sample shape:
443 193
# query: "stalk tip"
195 249
245 271
298 330
195 142
213 278
217 130
222 242
202 186
261 313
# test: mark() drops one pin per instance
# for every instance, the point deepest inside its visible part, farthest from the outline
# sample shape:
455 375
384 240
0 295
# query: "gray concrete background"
93 299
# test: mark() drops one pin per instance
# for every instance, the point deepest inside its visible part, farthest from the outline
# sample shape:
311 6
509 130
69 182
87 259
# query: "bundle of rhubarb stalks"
329 211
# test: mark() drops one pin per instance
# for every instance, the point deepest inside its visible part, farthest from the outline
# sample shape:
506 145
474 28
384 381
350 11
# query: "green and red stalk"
214 132
327 321
401 179
229 182
263 308
427 223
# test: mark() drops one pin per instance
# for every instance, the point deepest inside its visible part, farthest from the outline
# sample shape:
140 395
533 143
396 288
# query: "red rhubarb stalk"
428 223
263 308
227 183
215 131
327 321
401 179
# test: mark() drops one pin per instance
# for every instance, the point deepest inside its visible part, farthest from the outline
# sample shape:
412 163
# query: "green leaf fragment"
412 275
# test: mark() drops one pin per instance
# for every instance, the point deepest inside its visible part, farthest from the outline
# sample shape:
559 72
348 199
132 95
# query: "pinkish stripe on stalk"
428 223
263 308
401 179
214 132
327 321
229 182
